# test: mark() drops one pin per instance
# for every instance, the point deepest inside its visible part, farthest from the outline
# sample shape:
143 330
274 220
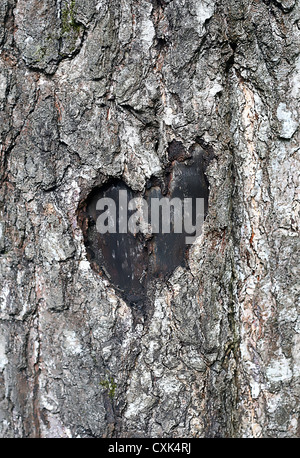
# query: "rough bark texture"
92 90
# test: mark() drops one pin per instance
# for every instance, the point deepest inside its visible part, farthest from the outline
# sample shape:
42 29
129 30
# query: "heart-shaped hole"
133 238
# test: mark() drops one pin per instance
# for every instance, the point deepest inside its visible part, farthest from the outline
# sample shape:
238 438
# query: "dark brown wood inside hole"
132 262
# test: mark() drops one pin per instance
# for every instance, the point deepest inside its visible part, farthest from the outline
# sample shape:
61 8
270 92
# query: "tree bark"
92 90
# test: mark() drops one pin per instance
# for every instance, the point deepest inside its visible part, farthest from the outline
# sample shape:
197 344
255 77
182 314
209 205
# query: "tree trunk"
92 91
